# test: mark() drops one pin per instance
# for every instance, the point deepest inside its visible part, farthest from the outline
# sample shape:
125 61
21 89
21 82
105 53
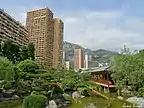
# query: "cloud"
99 29
109 30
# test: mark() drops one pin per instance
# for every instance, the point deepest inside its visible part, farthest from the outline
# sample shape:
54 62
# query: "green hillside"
102 55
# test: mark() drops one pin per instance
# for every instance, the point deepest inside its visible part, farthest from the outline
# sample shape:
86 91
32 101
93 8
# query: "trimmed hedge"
34 101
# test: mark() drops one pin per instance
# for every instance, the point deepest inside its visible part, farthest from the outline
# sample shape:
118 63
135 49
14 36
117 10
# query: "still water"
98 101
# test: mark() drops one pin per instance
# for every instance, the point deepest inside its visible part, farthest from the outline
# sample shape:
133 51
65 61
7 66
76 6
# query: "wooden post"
108 83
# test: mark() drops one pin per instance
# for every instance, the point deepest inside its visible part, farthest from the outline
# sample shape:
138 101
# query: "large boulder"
60 100
137 100
76 95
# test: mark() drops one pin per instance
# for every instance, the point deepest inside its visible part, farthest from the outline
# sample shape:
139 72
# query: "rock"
120 97
125 90
136 100
76 95
66 95
90 105
82 96
59 101
52 104
67 102
15 97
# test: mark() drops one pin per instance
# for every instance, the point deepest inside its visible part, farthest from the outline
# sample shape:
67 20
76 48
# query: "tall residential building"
12 30
78 58
40 24
58 43
86 60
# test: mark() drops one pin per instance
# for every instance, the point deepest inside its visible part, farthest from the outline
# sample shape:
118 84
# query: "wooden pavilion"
102 77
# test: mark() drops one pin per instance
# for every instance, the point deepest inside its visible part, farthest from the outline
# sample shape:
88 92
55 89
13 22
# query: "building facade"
47 35
12 30
86 61
58 43
78 58
40 25
69 65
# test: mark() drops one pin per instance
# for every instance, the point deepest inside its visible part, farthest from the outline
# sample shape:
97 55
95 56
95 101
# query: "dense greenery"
129 70
25 78
16 53
34 101
27 66
6 69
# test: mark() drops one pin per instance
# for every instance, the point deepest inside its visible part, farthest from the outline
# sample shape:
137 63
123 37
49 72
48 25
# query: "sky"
94 24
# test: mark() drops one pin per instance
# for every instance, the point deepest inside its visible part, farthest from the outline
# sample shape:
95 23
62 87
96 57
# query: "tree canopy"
15 52
6 69
27 66
128 70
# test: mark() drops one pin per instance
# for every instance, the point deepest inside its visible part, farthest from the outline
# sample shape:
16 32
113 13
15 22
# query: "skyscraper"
40 24
47 35
86 60
58 43
78 58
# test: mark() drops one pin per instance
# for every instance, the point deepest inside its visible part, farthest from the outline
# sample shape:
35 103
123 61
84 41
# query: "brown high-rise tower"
78 58
58 43
40 25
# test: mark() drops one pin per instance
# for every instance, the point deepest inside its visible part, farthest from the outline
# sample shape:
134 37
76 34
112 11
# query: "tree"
128 70
31 50
28 66
24 53
75 80
6 69
1 48
11 51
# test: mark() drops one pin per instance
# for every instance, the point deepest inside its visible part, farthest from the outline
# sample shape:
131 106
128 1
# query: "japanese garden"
25 84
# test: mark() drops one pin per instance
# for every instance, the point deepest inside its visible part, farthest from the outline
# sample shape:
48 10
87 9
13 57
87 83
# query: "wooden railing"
106 82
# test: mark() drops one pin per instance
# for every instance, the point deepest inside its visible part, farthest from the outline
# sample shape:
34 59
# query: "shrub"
34 101
140 92
28 66
6 69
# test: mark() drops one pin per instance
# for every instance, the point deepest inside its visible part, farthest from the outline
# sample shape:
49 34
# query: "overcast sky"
95 24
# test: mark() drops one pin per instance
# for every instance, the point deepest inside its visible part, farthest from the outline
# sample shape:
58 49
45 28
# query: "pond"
98 101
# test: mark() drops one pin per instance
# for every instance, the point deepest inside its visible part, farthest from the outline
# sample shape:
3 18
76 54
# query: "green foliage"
128 69
28 66
31 50
23 87
140 92
58 90
6 69
74 80
34 101
11 51
24 53
16 53
7 85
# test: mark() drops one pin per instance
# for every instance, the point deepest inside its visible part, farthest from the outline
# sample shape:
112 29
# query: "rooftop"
98 69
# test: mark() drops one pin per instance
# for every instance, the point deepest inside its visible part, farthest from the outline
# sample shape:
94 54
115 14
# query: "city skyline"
110 24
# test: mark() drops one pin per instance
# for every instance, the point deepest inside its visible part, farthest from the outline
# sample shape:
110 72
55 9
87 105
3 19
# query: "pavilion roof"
98 69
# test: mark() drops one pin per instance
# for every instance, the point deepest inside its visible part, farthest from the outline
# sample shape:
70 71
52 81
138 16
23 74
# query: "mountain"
103 56
100 56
